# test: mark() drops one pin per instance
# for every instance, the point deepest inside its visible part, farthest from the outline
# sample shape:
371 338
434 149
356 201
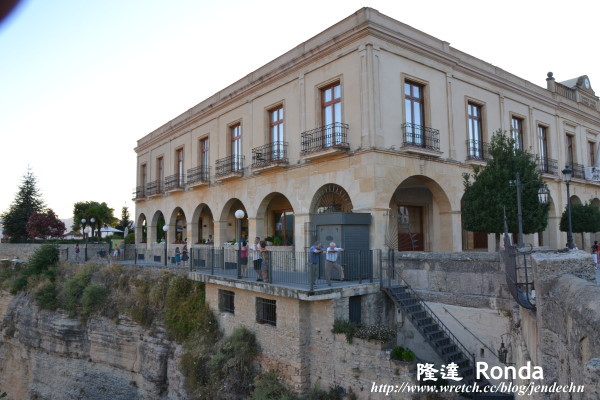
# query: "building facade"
371 117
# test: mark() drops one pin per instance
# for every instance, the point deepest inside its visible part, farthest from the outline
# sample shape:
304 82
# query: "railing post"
135 257
311 270
191 258
212 260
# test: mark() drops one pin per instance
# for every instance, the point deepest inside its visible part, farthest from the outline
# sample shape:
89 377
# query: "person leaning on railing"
313 259
331 263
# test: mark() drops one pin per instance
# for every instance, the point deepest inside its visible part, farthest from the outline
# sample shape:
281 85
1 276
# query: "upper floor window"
203 156
475 127
160 168
179 166
570 151
331 106
236 147
592 152
276 128
543 141
516 129
143 175
414 113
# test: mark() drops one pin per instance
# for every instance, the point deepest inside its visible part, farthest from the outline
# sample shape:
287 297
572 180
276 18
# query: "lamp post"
568 174
84 231
502 351
239 214
542 198
165 229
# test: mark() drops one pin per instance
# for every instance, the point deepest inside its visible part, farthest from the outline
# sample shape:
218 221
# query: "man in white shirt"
331 262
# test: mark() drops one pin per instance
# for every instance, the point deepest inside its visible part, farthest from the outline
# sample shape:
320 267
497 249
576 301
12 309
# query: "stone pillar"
379 228
450 232
256 227
301 236
220 234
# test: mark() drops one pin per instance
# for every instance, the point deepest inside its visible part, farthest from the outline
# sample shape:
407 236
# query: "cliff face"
46 355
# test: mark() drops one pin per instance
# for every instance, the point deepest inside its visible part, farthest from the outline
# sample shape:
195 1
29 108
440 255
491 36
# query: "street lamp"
165 229
87 231
568 174
239 214
83 221
92 220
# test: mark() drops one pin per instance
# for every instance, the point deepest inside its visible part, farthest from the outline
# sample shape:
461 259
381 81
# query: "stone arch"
141 229
275 218
178 226
202 224
155 230
420 211
331 197
228 223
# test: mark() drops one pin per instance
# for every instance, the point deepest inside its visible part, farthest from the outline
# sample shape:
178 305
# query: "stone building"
369 116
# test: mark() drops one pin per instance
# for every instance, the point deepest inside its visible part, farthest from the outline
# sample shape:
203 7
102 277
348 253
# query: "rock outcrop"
46 355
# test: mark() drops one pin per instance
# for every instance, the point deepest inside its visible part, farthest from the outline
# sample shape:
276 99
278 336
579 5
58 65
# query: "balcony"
326 140
271 155
421 139
477 150
229 167
139 193
174 183
548 166
154 188
578 170
198 176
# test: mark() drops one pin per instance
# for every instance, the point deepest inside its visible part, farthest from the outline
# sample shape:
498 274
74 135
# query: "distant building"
370 116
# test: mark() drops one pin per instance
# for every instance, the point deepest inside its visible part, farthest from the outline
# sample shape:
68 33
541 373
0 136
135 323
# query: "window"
543 143
331 105
227 301
592 150
143 175
475 146
179 166
570 154
236 147
414 113
266 311
516 129
203 158
276 128
160 172
284 226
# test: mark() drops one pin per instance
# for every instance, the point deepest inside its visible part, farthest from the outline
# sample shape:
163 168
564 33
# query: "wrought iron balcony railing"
324 138
420 136
269 154
139 192
578 170
232 165
477 150
198 175
548 166
153 188
174 182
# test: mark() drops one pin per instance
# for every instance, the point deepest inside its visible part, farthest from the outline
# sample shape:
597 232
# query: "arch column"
379 228
301 239
151 233
450 232
220 233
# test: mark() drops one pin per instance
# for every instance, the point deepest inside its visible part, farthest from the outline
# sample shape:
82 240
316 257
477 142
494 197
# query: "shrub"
73 291
18 284
43 259
380 333
46 297
93 296
277 241
268 386
401 354
347 327
130 238
186 311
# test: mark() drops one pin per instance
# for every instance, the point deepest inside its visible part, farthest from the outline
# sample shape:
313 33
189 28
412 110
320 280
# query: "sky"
82 81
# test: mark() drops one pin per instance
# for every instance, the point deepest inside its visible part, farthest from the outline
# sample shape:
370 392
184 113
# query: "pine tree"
28 200
125 222
493 190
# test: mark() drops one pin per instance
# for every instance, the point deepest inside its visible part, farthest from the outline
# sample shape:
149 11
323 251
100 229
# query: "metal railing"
139 192
154 188
548 166
324 138
229 165
477 150
174 182
578 170
283 266
198 175
420 136
269 154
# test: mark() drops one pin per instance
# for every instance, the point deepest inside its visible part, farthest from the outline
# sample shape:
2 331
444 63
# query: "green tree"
492 190
27 201
125 222
584 218
101 212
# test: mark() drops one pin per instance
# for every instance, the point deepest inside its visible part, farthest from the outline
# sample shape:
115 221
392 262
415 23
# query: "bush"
401 354
93 296
73 291
43 259
186 311
268 386
46 297
346 327
130 238
380 333
18 284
